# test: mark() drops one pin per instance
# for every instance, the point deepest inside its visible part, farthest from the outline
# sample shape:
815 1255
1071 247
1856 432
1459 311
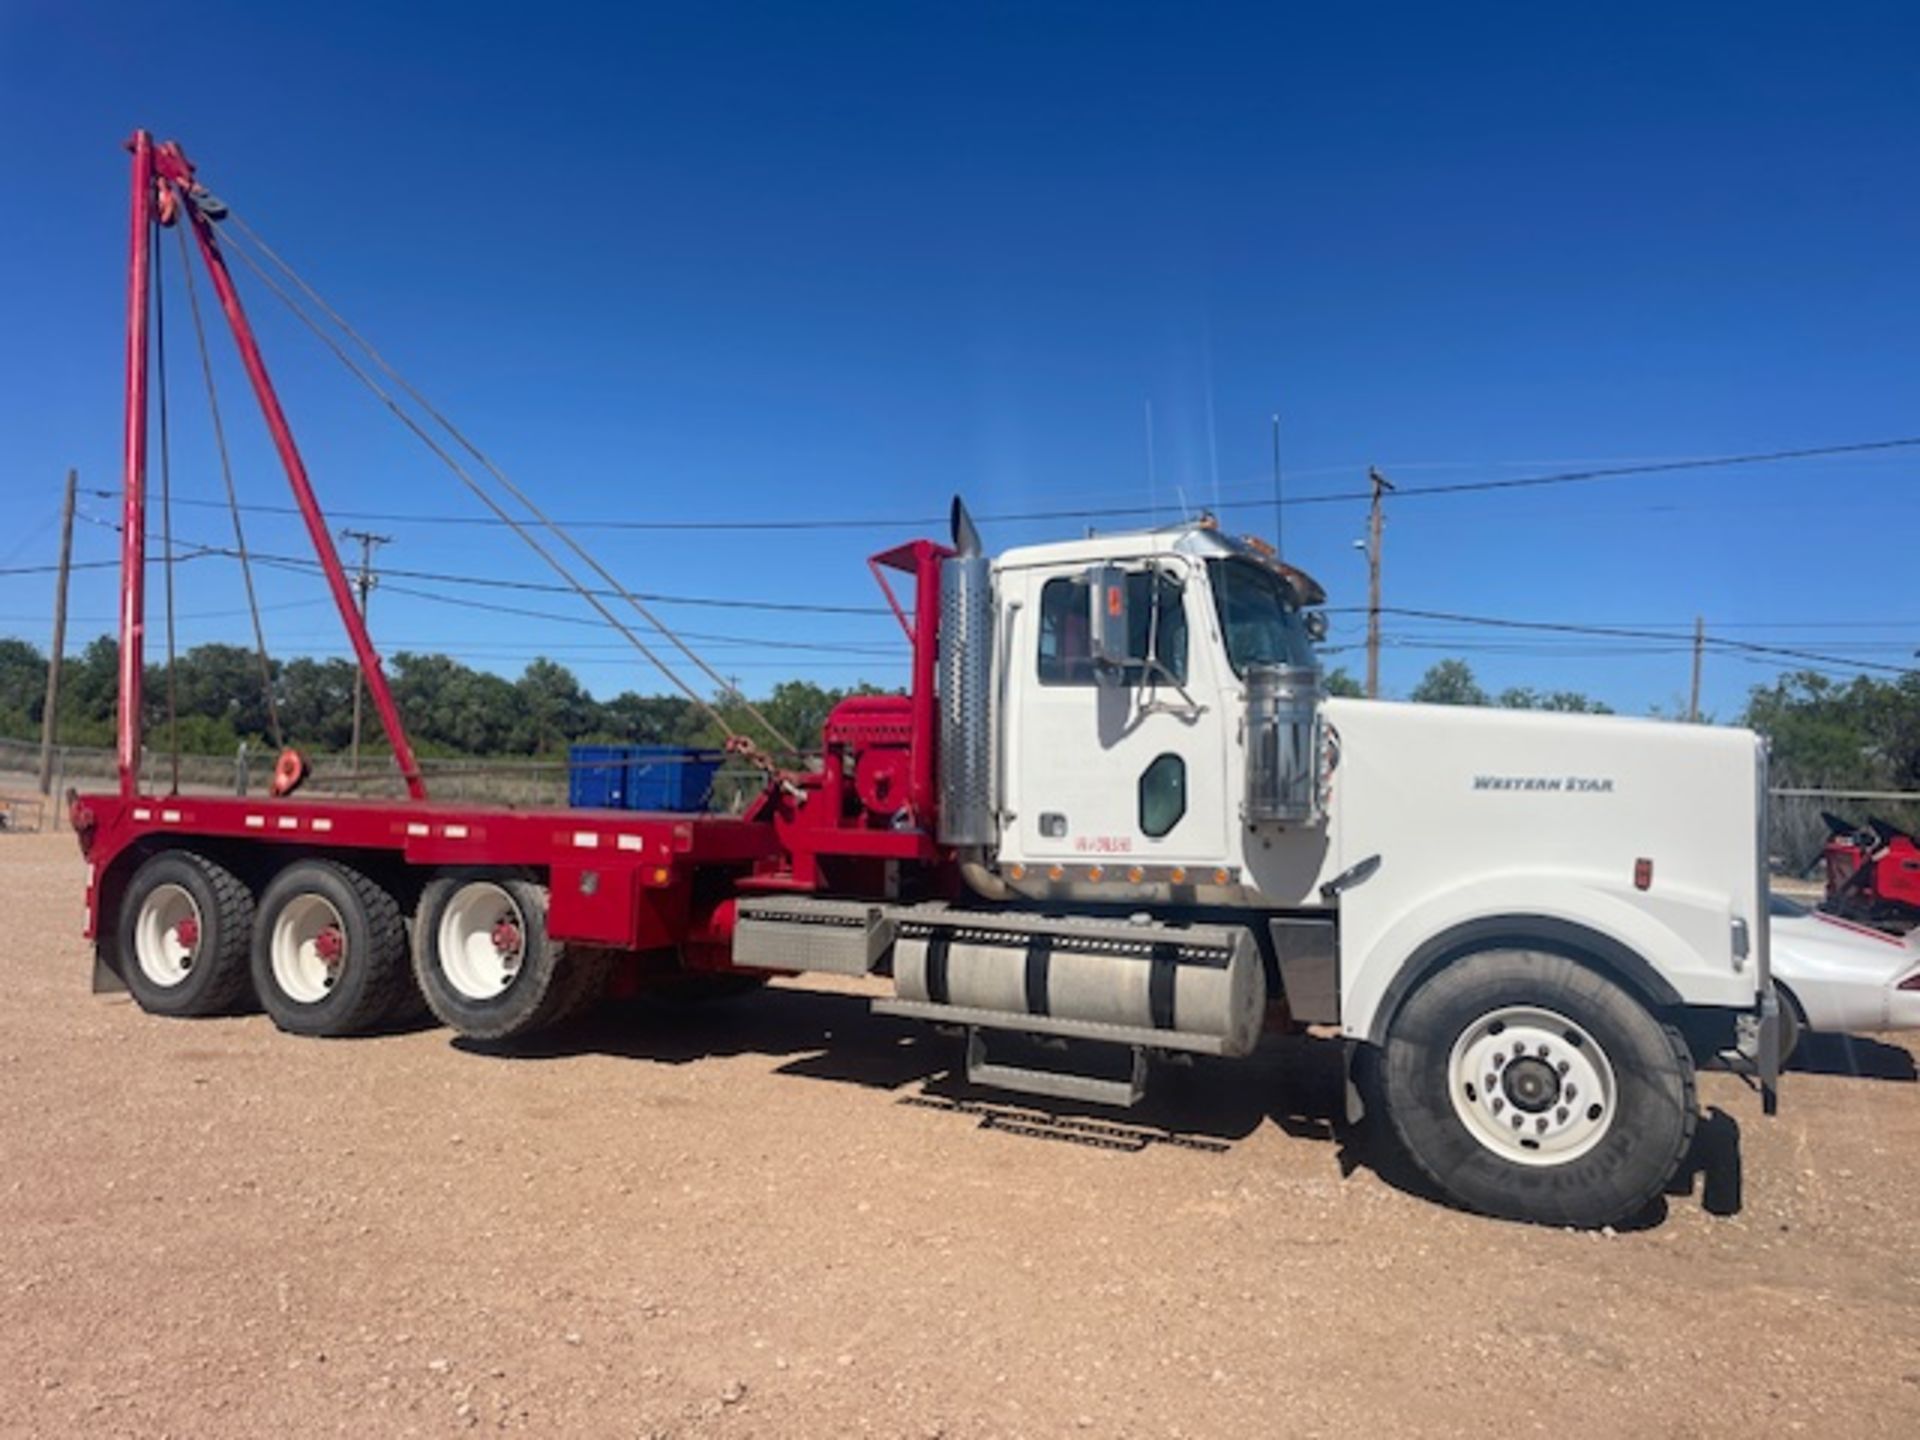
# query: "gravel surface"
780 1216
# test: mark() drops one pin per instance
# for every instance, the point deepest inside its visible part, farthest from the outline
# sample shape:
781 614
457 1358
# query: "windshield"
1257 616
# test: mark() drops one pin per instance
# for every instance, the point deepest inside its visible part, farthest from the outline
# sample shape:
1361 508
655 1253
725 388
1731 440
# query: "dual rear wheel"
485 963
326 949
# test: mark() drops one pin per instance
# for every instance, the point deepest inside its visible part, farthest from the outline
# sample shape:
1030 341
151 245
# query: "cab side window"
1156 607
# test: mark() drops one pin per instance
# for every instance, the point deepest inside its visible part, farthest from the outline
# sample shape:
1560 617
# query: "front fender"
1674 946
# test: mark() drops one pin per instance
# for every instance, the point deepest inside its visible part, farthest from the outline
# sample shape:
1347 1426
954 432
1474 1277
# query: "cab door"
1113 763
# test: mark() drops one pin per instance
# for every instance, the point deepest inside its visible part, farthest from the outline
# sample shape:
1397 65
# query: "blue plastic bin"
597 777
670 777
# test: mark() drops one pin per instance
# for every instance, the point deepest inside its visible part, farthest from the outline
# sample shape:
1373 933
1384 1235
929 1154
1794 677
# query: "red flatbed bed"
618 877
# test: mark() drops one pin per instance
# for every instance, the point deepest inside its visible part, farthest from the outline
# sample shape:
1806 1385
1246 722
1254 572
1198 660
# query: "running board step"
1089 1089
1022 1024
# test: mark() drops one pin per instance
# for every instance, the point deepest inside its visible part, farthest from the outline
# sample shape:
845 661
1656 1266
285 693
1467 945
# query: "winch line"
500 476
166 494
479 492
233 496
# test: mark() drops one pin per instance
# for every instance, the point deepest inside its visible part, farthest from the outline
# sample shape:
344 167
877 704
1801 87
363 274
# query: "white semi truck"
1114 813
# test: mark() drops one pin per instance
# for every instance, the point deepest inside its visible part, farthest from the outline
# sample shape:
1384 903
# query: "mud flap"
106 979
1767 1060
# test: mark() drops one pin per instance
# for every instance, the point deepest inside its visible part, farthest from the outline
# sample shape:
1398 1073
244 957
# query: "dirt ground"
779 1216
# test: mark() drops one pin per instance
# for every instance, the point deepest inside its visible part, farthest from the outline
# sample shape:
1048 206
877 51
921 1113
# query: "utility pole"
1376 523
50 711
363 583
1699 647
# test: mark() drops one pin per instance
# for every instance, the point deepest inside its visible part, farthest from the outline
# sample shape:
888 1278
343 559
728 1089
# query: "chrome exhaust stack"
966 690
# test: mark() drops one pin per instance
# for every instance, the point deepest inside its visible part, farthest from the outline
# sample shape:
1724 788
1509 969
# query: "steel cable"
479 492
233 497
546 521
166 497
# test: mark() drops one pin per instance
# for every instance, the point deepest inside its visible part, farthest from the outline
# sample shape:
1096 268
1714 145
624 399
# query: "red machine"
1872 872
181 885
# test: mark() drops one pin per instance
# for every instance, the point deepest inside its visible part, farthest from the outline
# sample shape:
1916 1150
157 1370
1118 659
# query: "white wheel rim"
309 948
167 935
481 941
1532 1086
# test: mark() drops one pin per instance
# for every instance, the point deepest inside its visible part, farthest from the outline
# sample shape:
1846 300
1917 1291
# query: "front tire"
329 951
1529 1087
185 924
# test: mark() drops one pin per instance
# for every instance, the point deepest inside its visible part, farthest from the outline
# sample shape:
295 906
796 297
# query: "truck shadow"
1296 1084
1854 1056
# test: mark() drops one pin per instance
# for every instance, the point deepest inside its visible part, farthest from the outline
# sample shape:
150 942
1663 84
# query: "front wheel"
1530 1087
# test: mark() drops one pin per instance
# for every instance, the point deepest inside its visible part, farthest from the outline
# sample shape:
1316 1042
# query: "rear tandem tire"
184 927
1590 1110
329 951
484 961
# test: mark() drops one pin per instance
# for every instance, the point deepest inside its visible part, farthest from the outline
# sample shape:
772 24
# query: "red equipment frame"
164 188
626 881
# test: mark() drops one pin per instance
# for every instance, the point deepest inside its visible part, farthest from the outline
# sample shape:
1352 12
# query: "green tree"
554 708
454 707
1862 734
635 719
1569 702
1449 682
90 685
1339 682
316 702
23 680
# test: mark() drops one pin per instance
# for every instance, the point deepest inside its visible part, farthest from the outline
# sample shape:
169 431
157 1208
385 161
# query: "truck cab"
1125 727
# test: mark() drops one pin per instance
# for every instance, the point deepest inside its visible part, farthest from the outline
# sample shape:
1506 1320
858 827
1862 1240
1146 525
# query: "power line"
303 565
1627 633
1142 512
540 587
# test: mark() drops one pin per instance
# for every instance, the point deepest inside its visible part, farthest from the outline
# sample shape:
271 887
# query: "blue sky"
701 262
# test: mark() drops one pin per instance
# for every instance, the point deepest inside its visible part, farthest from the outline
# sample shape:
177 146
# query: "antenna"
1153 487
1279 525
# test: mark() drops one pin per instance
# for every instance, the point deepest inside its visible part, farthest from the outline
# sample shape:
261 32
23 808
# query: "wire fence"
517 783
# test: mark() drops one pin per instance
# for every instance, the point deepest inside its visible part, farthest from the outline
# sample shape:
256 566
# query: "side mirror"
1315 622
1109 625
